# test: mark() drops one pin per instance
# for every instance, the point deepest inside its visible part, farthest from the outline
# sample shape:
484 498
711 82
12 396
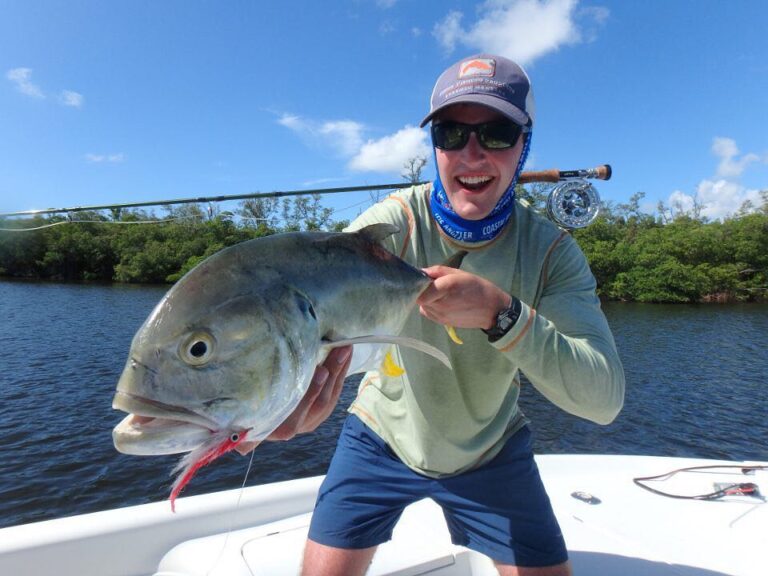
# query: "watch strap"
505 320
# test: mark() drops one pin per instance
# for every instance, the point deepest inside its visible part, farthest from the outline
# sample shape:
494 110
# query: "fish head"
208 362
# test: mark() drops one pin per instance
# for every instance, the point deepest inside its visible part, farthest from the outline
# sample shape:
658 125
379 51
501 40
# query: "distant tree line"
136 246
674 256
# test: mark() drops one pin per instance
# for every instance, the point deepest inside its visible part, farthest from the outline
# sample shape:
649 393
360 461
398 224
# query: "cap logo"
477 67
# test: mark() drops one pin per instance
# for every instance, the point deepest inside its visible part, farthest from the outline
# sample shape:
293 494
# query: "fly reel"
573 204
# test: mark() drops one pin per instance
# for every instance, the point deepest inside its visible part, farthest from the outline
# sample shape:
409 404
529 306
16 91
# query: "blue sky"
122 101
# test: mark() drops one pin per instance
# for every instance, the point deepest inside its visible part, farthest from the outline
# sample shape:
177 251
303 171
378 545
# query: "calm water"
696 387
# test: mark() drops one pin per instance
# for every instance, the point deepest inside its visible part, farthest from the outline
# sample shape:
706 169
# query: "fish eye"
197 349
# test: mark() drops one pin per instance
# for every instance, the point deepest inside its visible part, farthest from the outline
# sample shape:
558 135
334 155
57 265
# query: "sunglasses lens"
498 135
450 136
491 135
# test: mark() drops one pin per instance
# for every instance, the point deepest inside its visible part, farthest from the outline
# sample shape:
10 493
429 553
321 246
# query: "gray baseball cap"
492 81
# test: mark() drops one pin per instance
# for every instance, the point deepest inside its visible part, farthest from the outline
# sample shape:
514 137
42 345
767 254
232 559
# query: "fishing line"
231 517
336 211
247 472
164 221
88 222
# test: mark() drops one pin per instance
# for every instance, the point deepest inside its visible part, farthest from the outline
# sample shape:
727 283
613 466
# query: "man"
523 300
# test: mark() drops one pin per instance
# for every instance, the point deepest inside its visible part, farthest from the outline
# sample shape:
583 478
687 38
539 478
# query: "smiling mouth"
474 183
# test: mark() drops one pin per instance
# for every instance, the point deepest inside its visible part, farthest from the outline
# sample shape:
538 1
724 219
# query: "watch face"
507 318
506 321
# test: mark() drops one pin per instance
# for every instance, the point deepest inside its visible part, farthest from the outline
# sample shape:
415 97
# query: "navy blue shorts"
500 509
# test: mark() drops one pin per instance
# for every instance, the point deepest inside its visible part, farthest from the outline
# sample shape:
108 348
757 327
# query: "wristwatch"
504 320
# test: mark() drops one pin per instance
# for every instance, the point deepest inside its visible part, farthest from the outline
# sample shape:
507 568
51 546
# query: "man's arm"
565 348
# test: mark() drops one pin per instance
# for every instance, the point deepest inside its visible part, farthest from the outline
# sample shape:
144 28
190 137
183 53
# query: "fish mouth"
147 409
153 427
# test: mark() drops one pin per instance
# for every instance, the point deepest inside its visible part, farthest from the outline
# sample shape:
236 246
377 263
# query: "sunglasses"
497 135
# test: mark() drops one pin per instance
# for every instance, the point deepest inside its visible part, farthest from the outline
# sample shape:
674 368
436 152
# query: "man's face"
475 178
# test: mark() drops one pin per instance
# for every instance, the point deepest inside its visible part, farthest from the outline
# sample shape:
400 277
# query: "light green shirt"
441 422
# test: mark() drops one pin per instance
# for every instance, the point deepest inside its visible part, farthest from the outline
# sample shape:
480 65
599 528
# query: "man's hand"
318 402
460 299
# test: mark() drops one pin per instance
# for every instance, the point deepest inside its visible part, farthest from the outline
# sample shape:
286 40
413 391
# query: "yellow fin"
389 367
452 333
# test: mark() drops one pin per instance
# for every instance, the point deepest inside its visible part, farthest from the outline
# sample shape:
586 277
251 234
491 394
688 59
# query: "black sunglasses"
497 135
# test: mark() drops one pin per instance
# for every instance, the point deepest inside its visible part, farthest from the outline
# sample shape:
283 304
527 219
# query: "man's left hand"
461 299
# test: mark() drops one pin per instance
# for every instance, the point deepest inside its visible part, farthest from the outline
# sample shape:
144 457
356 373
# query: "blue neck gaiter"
471 231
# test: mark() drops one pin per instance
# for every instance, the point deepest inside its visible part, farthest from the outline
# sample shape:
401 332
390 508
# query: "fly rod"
206 199
572 203
603 172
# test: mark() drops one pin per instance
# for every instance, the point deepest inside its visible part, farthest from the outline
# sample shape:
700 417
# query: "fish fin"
455 260
399 340
390 367
378 232
452 334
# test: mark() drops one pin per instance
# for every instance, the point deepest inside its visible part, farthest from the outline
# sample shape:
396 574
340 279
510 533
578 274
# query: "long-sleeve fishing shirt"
441 422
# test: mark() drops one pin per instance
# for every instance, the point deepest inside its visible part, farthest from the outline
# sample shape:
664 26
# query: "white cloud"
21 77
448 30
522 30
70 98
105 158
390 153
386 28
679 201
344 137
727 151
290 121
592 19
323 181
717 198
721 196
597 13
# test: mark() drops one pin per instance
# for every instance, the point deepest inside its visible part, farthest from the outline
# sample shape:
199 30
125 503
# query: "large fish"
230 350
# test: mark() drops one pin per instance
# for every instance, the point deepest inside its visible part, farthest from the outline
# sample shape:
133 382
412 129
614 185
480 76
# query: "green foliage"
303 213
677 257
535 195
135 246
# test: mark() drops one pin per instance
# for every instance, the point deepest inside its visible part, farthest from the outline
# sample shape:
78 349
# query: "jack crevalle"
230 350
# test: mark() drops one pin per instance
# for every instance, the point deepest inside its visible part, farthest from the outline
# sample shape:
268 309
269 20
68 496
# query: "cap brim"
501 106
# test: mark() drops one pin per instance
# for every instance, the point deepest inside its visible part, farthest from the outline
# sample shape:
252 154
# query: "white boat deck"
631 532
